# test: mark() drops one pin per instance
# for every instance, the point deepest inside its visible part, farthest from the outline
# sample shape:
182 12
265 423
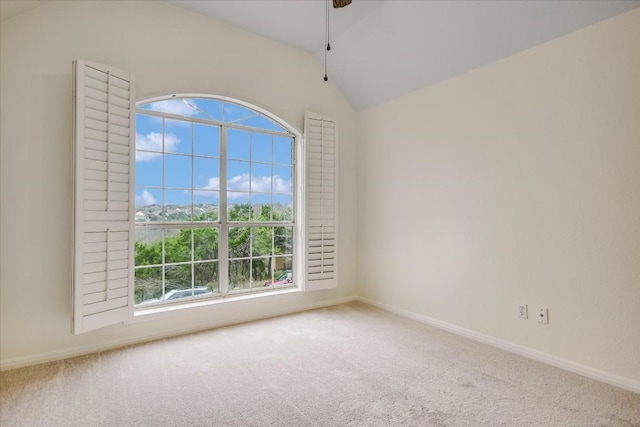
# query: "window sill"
145 314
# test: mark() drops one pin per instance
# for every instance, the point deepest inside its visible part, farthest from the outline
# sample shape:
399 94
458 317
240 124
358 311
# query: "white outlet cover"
543 316
523 311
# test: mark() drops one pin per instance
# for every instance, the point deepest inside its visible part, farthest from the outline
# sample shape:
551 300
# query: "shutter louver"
321 251
103 189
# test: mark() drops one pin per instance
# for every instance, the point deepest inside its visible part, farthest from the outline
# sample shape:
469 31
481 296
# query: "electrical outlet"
543 316
523 311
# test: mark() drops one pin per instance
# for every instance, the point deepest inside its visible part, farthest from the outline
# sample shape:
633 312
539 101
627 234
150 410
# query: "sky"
259 165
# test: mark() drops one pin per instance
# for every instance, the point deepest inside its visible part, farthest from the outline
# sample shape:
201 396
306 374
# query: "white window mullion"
193 233
193 255
223 236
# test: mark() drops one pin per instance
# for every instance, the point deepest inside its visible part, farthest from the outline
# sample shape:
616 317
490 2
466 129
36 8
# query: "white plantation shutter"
321 208
103 187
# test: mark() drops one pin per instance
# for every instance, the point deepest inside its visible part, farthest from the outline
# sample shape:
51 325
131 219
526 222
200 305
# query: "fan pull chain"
328 26
326 37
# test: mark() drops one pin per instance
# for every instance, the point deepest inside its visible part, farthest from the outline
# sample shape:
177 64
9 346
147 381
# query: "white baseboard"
577 368
36 359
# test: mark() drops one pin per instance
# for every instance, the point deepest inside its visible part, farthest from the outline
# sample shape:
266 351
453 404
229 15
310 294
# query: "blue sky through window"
179 160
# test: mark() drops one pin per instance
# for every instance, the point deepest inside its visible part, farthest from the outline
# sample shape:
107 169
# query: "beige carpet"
345 365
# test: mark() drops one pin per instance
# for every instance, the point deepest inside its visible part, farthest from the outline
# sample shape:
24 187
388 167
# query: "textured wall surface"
516 183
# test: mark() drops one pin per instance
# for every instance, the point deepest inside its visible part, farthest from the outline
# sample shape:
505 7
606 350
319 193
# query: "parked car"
185 293
179 293
285 278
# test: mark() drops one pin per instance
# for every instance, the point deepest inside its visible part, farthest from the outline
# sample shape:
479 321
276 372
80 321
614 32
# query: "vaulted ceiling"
383 49
386 48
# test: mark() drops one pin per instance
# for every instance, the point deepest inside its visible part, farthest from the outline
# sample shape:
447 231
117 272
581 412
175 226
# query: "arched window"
215 200
193 197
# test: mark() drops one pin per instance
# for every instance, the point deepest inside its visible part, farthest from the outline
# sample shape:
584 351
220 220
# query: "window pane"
261 241
148 197
205 274
148 207
148 284
148 247
238 176
238 143
177 245
177 205
282 150
282 207
206 140
239 274
177 136
283 266
286 263
148 169
177 277
205 244
283 241
261 147
260 272
283 274
205 205
235 112
260 178
211 107
206 173
148 133
261 207
239 242
177 171
239 208
282 179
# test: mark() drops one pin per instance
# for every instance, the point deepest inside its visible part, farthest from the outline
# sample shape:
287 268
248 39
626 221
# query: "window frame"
102 282
223 224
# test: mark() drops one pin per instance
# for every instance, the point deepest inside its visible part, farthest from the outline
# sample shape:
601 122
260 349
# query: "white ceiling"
386 48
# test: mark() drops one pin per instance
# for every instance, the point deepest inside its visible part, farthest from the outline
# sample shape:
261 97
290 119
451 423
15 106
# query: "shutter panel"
321 208
103 263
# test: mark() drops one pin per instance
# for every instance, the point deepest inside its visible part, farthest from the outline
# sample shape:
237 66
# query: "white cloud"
212 184
241 182
280 185
153 142
145 199
259 184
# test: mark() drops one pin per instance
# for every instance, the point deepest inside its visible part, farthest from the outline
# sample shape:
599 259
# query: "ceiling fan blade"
341 3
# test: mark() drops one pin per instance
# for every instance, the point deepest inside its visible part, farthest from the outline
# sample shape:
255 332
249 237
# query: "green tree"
148 253
244 242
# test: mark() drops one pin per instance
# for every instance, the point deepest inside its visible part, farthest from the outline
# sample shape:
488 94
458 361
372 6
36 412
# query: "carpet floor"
340 366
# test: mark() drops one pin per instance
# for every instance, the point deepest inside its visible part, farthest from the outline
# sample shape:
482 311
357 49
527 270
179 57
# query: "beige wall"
168 49
518 182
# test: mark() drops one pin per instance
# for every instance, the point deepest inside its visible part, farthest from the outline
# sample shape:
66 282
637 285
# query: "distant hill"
178 213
